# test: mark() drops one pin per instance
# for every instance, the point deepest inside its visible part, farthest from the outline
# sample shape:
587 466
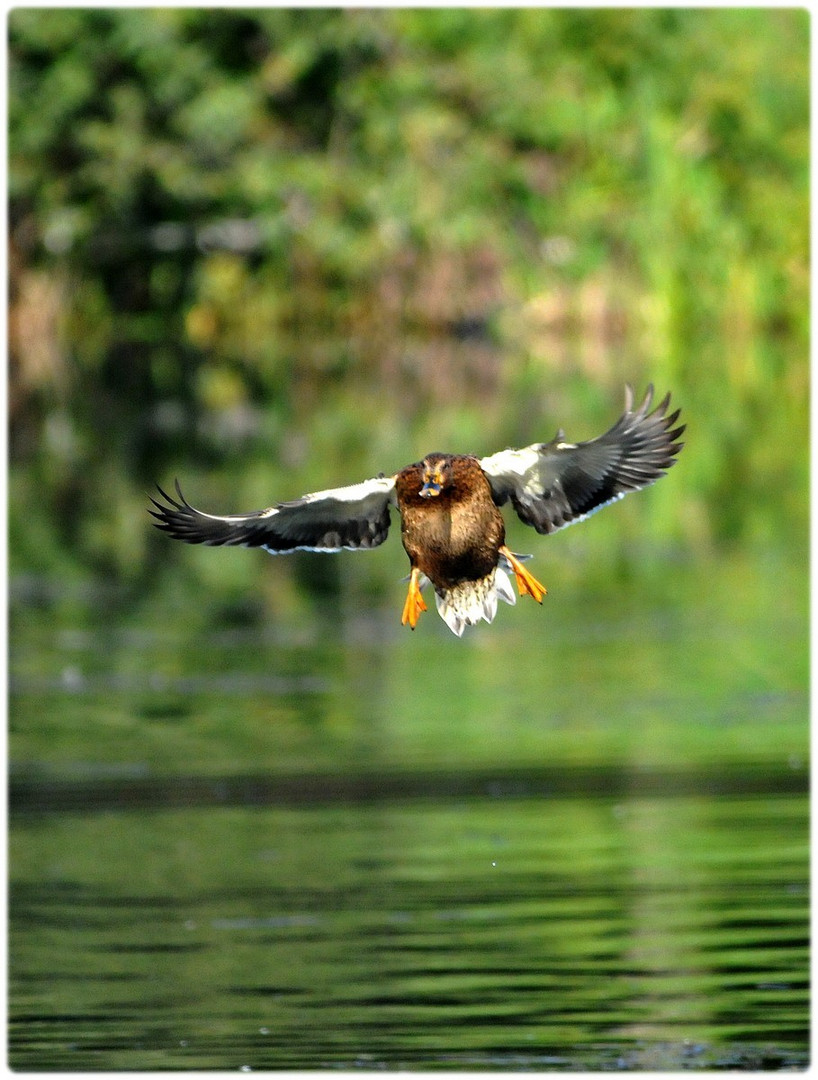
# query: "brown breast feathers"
452 536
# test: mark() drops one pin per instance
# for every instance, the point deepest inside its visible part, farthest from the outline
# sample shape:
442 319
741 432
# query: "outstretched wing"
348 517
555 484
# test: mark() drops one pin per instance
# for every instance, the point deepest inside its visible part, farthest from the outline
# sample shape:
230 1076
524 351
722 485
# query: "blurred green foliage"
273 250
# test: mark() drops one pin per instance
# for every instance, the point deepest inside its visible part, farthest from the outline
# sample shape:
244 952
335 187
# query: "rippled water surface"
575 840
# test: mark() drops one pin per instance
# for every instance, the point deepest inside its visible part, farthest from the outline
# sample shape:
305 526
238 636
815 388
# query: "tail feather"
471 601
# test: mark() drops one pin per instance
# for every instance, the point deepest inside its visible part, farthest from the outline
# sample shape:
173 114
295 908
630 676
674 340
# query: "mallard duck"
451 527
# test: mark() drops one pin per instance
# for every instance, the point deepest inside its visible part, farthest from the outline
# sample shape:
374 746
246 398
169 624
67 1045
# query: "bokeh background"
276 250
272 251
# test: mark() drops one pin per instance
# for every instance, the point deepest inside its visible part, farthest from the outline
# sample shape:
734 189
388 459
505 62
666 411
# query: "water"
575 840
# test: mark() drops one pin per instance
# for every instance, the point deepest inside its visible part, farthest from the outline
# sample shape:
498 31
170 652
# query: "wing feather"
351 517
555 484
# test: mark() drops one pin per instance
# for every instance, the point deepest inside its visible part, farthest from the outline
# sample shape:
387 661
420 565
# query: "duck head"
436 475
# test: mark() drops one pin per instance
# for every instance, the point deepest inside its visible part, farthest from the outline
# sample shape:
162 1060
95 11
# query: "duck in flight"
451 525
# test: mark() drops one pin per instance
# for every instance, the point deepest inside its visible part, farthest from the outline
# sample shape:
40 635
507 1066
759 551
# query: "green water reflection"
409 934
576 839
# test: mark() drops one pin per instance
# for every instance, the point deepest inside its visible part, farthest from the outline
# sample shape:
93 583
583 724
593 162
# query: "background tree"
286 248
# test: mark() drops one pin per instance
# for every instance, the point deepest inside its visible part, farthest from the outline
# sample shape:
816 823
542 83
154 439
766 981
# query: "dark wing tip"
178 518
643 444
163 509
169 498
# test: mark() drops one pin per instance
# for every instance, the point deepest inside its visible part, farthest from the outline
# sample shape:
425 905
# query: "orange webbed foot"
415 603
527 584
